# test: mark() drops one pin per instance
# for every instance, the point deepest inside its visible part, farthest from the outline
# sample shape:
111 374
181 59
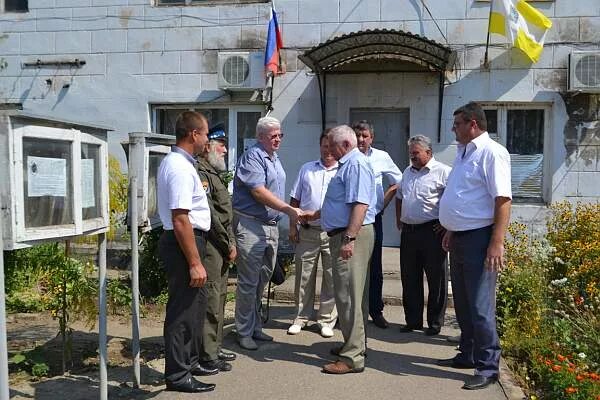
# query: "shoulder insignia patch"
205 186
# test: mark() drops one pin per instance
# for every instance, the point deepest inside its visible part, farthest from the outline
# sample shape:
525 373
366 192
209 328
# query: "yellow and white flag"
522 24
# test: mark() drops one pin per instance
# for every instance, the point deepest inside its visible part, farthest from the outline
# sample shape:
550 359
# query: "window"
15 6
521 129
240 123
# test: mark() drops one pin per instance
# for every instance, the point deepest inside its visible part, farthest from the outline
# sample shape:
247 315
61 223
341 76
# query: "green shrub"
548 302
153 279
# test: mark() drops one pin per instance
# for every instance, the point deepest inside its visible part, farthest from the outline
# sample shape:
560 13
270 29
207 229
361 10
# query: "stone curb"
508 383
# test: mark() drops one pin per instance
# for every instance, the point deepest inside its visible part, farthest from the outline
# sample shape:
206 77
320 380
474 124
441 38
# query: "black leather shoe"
220 365
205 369
226 356
432 331
408 328
479 382
453 363
380 321
191 385
224 366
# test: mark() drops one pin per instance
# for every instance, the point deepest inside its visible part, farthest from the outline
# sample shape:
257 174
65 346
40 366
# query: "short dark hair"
324 135
186 122
472 111
363 125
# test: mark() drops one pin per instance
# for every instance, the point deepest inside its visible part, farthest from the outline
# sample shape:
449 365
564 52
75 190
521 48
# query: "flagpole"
486 63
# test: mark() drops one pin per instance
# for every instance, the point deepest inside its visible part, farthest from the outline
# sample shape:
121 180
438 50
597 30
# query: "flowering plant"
549 302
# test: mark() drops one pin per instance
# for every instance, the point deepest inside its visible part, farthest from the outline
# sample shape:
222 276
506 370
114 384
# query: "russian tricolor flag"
274 43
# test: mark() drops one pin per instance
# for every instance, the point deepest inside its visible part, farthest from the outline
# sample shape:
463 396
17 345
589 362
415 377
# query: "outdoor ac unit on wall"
241 70
584 71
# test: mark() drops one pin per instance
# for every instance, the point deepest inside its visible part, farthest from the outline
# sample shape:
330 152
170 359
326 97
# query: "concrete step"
392 285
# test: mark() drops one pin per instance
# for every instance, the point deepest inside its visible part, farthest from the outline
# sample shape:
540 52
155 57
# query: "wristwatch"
347 239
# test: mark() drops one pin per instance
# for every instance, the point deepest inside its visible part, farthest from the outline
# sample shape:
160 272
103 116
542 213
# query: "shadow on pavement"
316 353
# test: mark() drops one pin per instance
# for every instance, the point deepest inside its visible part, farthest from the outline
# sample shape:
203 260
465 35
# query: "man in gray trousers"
258 193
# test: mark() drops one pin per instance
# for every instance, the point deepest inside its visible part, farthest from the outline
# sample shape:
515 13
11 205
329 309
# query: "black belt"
415 227
336 231
198 232
272 222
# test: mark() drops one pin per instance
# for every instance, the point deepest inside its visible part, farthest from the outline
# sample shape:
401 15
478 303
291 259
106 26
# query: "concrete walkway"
399 366
392 285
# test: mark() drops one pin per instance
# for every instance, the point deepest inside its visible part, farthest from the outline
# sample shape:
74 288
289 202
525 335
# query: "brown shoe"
339 368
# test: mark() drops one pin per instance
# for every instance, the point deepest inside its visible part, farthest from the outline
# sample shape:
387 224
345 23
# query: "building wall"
138 54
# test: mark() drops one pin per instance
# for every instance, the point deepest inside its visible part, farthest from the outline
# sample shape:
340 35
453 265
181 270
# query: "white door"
391 134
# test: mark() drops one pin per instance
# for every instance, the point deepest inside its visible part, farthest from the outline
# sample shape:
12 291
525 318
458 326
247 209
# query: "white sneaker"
326 332
294 329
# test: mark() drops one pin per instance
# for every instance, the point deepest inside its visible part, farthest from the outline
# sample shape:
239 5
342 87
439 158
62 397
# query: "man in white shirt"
382 165
312 243
185 214
417 210
475 210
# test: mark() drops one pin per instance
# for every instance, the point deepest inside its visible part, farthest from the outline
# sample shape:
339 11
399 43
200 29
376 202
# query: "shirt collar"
348 155
430 164
320 163
188 156
477 142
263 152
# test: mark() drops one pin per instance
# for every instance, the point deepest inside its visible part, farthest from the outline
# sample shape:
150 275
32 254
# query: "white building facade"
134 64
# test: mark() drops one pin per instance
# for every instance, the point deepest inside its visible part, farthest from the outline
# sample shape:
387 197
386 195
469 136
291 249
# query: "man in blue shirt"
347 216
258 193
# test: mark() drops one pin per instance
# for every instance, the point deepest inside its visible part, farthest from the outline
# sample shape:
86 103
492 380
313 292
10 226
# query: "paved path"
399 366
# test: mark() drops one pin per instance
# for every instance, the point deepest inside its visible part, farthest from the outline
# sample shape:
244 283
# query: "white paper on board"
88 198
46 177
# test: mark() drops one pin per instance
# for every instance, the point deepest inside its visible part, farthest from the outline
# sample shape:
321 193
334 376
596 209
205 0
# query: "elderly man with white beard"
220 251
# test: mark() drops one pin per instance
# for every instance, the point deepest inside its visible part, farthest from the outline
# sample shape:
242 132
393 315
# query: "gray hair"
342 133
421 140
266 124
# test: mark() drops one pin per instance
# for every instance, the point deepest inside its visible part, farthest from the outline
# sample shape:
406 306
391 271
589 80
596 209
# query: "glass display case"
55 183
145 152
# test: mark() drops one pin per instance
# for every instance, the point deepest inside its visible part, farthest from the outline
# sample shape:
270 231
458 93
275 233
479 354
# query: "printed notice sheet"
46 177
87 183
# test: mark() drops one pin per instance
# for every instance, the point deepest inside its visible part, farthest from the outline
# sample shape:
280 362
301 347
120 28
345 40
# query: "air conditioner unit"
241 70
584 71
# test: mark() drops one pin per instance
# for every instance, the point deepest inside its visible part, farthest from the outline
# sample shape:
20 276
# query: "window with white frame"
521 129
14 5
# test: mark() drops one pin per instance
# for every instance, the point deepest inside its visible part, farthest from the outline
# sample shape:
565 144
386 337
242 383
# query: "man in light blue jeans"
258 193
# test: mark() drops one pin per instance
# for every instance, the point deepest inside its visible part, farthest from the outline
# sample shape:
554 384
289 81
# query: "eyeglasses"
276 136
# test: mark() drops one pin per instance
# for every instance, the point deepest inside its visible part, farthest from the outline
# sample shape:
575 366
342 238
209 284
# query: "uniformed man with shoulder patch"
220 250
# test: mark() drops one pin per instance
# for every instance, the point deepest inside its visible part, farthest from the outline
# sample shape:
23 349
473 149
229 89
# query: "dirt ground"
39 331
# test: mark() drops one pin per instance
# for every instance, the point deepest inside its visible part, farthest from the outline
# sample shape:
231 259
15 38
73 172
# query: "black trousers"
376 270
421 250
186 306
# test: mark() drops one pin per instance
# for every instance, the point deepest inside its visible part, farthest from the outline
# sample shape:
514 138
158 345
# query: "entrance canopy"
379 50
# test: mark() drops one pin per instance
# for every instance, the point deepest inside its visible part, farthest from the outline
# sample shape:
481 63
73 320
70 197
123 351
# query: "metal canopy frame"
378 50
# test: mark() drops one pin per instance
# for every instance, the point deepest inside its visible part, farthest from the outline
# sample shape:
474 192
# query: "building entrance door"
391 134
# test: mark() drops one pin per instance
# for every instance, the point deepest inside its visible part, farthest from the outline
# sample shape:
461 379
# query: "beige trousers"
314 245
351 286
